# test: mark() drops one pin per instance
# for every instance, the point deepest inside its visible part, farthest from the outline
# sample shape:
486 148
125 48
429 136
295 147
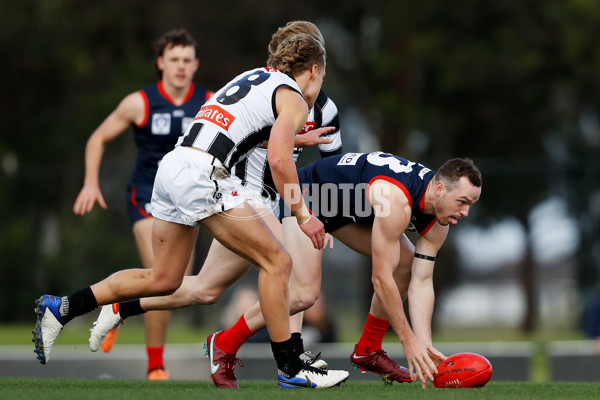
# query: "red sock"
372 336
230 340
155 358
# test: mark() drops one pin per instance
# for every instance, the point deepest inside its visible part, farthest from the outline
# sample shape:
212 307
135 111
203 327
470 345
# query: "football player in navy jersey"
395 195
194 187
368 201
159 114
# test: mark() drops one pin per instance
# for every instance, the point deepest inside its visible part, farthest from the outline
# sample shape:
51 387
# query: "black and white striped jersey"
254 170
238 118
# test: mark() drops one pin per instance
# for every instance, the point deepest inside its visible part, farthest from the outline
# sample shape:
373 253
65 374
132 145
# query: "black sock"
286 357
79 303
298 343
129 308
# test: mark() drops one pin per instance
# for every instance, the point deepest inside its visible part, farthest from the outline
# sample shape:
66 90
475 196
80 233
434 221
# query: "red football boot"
221 364
380 363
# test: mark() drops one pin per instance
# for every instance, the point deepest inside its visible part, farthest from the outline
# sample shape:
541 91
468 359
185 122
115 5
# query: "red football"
463 370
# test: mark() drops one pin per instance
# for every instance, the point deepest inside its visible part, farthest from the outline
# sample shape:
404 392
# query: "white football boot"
108 319
312 378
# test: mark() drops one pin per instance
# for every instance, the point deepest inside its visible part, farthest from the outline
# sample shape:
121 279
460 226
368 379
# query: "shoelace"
388 363
313 358
315 370
380 354
230 361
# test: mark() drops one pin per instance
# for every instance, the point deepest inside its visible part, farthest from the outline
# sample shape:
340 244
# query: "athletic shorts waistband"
202 155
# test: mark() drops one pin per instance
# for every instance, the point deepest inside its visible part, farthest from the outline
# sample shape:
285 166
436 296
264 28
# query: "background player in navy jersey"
194 187
222 266
159 114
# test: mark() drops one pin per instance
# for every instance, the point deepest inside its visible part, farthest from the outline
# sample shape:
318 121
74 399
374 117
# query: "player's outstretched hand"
420 363
314 137
435 355
314 229
88 196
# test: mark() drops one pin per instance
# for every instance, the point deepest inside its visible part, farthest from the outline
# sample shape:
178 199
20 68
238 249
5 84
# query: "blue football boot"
48 325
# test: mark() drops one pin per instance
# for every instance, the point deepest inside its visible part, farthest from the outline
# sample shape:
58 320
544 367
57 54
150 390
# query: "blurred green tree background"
515 85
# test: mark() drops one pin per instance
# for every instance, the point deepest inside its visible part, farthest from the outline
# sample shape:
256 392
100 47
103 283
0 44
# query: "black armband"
424 257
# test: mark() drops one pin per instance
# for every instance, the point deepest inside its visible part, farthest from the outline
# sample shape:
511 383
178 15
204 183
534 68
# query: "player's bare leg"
162 279
245 233
305 286
223 355
221 269
173 245
251 238
156 323
358 238
305 278
375 359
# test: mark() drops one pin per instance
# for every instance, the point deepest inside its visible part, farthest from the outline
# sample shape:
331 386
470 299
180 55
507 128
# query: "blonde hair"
297 53
293 28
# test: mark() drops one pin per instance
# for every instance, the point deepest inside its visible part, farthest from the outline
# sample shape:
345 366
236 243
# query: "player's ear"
314 70
440 189
160 63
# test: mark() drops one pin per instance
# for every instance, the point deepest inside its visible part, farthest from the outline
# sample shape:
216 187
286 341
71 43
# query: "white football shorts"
191 185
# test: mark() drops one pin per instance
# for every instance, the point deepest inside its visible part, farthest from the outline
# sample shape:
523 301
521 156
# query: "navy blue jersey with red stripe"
335 188
163 124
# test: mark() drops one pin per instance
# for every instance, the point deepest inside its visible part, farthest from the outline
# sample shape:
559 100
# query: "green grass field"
133 333
81 389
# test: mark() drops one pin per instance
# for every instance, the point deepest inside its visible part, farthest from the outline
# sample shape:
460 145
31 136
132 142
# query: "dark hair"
175 37
297 53
456 168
